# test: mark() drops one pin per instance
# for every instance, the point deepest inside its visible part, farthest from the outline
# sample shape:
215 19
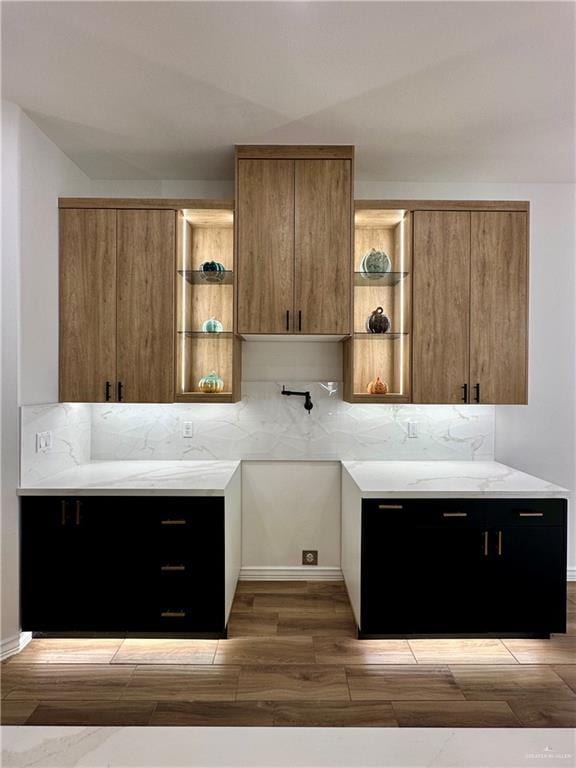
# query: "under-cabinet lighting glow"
183 318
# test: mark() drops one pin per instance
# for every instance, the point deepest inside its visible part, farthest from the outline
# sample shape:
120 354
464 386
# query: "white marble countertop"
133 478
414 479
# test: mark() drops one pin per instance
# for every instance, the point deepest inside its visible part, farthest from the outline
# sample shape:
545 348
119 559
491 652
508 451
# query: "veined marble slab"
133 478
416 479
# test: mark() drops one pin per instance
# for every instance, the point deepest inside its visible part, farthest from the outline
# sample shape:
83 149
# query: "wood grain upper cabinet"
294 244
441 319
499 307
117 305
87 305
145 300
265 245
470 306
322 264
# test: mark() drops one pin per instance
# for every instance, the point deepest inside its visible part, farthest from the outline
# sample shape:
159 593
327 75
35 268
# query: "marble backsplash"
70 424
264 425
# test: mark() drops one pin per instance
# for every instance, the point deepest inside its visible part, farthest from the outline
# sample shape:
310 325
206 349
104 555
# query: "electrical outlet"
412 429
188 429
44 441
309 557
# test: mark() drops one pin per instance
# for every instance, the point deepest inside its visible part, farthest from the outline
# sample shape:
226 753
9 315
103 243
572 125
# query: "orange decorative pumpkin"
377 387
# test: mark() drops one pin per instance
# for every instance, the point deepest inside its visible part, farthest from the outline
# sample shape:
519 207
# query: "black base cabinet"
123 565
449 567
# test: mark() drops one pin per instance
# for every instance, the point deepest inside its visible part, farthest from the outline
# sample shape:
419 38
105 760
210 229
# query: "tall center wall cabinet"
294 239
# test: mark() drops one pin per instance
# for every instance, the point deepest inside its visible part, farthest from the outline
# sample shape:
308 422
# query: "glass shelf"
388 336
373 279
197 277
205 335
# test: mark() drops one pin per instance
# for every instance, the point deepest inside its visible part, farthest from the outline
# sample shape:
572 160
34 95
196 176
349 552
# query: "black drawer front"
504 512
421 512
465 512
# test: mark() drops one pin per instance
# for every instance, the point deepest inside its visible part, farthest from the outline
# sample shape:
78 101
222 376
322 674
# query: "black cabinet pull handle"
477 393
120 392
464 393
299 319
108 391
287 319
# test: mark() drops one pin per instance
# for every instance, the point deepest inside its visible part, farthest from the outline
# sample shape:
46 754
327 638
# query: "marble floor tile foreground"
161 747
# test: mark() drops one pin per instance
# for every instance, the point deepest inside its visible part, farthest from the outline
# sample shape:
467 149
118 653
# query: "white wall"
34 174
45 175
9 383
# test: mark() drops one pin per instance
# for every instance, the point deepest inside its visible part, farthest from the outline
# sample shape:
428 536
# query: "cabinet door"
441 292
420 579
265 231
323 246
527 579
499 307
87 304
145 328
70 552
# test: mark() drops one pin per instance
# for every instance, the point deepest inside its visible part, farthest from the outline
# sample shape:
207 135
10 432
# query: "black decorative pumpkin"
378 322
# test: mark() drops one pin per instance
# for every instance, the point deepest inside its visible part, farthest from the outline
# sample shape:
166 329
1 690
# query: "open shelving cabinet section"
205 234
385 355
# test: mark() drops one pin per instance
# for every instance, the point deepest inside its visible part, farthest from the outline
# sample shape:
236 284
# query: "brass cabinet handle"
173 522
485 543
173 614
172 567
454 514
390 506
531 514
499 543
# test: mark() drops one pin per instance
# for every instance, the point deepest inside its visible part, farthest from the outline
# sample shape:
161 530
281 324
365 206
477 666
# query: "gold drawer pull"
173 614
454 514
173 522
531 514
172 567
390 506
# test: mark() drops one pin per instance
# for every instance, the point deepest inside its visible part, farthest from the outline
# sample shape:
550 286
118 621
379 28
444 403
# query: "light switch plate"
44 441
188 429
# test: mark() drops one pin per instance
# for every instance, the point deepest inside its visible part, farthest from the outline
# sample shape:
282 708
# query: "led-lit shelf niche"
206 234
386 356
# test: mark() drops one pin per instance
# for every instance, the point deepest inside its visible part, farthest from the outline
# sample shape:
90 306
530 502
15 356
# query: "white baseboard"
571 574
14 644
291 573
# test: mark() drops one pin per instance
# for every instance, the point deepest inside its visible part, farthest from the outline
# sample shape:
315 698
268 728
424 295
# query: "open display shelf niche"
386 355
205 234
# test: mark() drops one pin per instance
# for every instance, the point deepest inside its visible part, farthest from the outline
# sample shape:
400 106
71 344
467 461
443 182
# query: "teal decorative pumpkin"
211 383
213 271
212 326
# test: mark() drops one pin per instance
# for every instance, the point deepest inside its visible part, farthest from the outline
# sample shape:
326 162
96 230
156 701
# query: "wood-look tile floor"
292 659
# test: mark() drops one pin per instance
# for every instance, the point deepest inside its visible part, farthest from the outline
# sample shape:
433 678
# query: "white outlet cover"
412 429
188 429
44 441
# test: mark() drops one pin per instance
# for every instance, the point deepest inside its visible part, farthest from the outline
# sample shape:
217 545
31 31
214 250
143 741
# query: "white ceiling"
451 91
